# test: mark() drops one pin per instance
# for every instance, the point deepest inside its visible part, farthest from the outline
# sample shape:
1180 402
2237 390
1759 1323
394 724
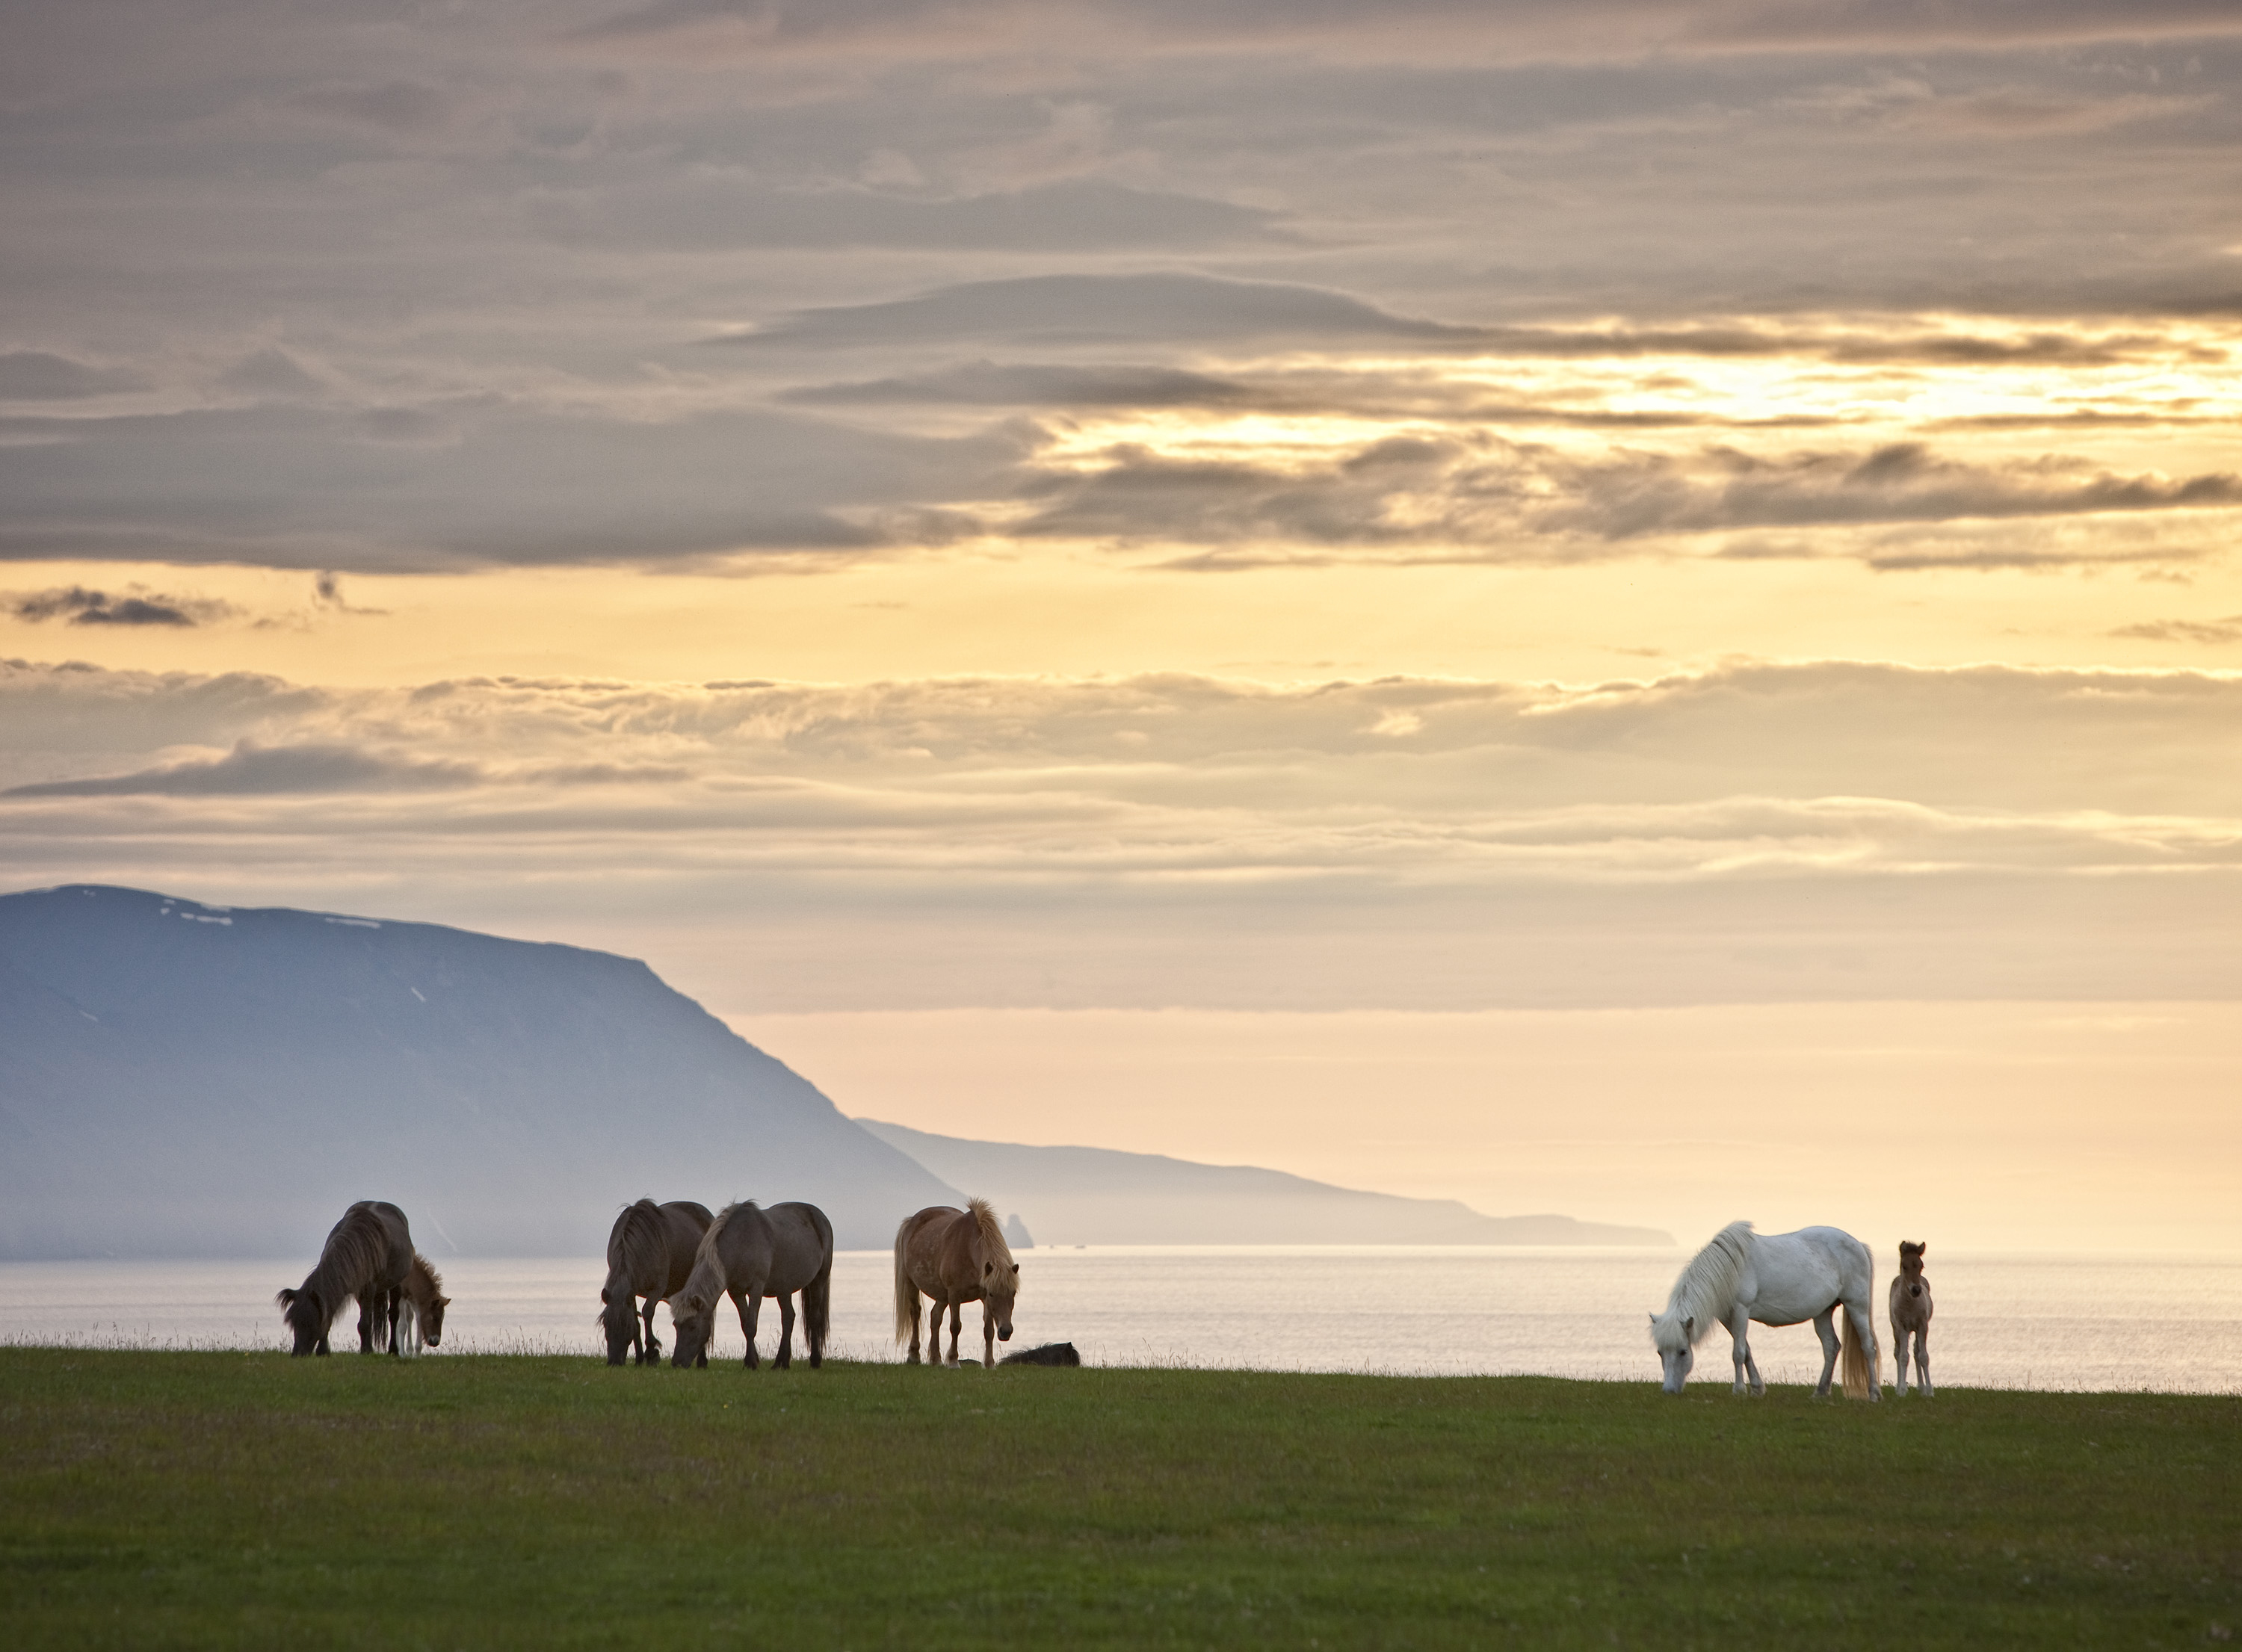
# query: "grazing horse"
749 1253
417 1320
955 1257
366 1255
650 1251
1779 1279
1910 1312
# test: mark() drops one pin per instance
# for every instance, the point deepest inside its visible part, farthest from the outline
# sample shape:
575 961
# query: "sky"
1615 608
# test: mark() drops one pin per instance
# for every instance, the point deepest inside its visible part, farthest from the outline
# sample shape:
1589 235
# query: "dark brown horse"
749 1253
366 1256
955 1256
650 1252
1910 1312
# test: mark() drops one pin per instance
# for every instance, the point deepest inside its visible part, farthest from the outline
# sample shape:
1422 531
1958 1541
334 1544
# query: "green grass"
169 1499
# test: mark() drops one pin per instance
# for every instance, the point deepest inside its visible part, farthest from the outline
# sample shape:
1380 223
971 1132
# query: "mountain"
1095 1196
180 1079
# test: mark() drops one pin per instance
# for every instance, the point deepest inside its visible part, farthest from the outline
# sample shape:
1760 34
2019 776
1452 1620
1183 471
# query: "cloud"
38 375
1826 828
1076 215
473 484
1518 501
273 374
2210 632
1416 31
250 770
78 605
1161 308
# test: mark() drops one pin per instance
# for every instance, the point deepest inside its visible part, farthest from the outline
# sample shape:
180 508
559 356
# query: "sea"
2169 1324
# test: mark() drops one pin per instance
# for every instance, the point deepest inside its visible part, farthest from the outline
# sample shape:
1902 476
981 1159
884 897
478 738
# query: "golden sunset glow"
1540 537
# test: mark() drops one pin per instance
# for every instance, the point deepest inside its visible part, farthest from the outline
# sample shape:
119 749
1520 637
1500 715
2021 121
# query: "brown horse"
955 1256
417 1320
650 1251
1910 1311
749 1253
366 1255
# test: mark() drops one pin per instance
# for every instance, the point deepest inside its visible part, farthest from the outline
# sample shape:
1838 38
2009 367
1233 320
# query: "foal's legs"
1828 1333
785 1360
1923 1361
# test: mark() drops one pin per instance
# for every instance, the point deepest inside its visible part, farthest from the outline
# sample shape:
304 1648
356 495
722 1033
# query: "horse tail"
1855 1357
906 1292
817 1306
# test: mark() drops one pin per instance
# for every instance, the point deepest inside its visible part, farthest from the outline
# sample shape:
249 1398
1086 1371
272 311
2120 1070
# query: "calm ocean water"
2169 1323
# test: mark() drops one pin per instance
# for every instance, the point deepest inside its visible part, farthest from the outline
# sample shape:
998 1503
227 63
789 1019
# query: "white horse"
1780 1278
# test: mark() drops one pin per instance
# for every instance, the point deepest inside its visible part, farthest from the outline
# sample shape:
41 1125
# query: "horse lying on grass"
1048 1354
749 1253
650 1254
1910 1315
955 1256
367 1255
1778 1280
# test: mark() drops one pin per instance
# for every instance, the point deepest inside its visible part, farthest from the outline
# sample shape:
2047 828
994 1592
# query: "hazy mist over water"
2172 1324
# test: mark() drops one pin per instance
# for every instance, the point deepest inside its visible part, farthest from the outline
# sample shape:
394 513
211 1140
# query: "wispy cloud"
78 605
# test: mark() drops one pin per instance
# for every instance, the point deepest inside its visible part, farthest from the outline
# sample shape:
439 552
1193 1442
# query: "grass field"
165 1499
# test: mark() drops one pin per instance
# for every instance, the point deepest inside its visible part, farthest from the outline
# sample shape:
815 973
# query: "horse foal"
1910 1315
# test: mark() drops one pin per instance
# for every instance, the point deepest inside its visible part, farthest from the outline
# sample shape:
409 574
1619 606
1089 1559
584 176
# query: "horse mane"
640 1238
353 1254
1707 1285
422 1283
706 1251
992 1234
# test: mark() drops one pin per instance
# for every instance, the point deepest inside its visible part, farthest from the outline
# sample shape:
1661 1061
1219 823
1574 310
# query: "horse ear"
988 1268
1015 1267
1690 1324
443 1302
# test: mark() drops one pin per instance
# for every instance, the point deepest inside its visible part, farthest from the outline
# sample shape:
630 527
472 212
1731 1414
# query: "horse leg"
1740 1352
1828 1333
785 1360
956 1325
1922 1360
988 1336
914 1346
396 1308
652 1343
750 1307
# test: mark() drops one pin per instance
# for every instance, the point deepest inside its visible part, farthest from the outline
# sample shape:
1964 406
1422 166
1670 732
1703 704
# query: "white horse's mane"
1706 1288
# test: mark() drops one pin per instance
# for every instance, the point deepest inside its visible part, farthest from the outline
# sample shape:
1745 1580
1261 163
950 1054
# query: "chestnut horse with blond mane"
955 1257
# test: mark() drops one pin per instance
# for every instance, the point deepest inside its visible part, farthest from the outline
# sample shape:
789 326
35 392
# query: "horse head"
620 1317
432 1322
1675 1337
1000 1286
692 1320
1910 1265
303 1311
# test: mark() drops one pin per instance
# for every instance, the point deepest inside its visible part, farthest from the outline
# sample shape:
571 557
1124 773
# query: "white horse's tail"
1856 1358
